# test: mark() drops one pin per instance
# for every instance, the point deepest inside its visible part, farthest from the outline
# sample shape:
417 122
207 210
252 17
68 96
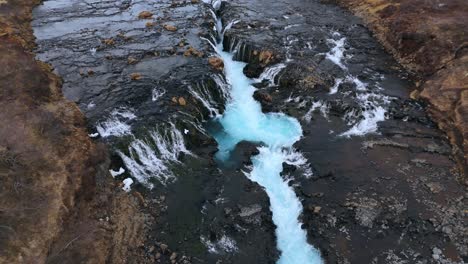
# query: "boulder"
182 101
262 96
217 63
170 27
145 15
135 76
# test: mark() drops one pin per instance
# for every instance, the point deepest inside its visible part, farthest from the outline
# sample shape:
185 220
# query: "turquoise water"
243 120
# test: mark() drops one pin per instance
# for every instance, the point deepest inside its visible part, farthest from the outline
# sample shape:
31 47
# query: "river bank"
59 203
430 39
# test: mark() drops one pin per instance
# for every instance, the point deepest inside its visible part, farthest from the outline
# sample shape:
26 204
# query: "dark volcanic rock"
433 45
144 82
243 153
265 100
253 70
372 207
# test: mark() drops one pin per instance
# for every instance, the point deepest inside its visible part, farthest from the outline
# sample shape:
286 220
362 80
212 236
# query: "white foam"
288 44
170 144
373 107
296 99
270 73
301 103
337 84
374 112
221 200
144 164
157 93
227 244
368 124
285 205
289 99
150 158
91 105
319 105
350 117
296 158
224 244
336 54
360 86
116 124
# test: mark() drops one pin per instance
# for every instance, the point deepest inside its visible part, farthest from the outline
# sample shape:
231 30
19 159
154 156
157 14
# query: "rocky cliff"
430 39
58 202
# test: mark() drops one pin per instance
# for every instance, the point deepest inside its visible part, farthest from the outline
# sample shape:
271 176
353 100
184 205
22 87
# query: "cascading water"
373 104
243 120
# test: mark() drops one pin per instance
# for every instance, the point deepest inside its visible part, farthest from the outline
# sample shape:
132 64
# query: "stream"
243 120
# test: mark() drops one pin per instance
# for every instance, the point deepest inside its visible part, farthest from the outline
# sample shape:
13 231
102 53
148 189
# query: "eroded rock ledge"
429 38
58 203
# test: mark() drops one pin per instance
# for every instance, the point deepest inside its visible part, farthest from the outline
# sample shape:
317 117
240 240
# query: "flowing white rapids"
116 124
244 120
151 157
374 105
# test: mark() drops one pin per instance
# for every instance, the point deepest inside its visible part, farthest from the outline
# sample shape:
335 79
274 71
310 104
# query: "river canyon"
239 131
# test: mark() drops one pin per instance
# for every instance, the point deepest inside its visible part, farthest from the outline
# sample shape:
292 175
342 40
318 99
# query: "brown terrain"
52 176
430 39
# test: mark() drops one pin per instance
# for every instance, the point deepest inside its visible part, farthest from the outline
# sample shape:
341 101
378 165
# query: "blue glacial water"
243 120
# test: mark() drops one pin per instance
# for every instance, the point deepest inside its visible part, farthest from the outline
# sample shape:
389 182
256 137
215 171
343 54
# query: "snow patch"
127 183
117 173
93 135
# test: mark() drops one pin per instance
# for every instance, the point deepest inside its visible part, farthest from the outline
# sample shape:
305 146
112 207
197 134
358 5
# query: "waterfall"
244 120
151 157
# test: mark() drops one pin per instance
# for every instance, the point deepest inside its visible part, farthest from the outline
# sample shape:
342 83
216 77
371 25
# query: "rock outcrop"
58 204
430 39
216 63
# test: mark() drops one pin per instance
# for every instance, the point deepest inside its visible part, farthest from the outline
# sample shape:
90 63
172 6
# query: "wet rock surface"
432 45
145 80
391 196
